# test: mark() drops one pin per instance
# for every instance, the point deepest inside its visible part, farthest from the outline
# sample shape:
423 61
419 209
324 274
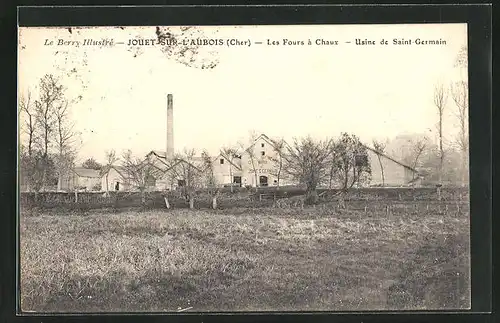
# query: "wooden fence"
370 194
358 199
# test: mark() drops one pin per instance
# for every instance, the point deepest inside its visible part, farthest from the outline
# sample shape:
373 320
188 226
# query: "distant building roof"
161 154
390 158
158 153
275 143
86 172
119 169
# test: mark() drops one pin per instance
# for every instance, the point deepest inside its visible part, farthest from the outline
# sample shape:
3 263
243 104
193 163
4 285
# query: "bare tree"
229 154
440 99
418 149
184 167
27 108
29 173
414 147
139 172
460 95
64 140
349 156
210 179
250 152
111 159
279 148
307 162
380 149
31 170
51 94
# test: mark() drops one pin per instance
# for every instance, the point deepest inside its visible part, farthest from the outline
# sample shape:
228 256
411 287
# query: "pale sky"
284 91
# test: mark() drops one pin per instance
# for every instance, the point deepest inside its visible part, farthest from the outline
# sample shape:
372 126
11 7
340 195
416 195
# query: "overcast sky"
285 91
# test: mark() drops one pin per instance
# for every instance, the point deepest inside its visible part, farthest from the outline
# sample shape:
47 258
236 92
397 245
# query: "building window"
262 145
222 161
263 153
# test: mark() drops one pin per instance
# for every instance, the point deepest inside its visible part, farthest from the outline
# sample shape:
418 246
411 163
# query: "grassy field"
237 260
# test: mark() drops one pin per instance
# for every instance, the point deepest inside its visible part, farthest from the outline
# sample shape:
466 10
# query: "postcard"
244 168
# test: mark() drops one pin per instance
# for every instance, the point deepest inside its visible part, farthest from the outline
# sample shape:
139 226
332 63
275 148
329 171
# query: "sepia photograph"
252 168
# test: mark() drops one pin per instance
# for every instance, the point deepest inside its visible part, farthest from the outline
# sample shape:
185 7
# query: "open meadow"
242 259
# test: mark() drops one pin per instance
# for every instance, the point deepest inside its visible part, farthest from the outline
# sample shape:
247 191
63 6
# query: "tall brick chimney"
170 127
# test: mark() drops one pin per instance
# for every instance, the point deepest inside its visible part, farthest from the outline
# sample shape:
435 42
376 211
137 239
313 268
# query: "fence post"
76 196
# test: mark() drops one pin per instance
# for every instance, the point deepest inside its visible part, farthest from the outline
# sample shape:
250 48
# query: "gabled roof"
270 141
86 172
190 163
390 158
175 161
119 169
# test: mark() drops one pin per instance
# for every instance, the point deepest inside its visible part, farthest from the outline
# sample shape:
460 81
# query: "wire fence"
388 200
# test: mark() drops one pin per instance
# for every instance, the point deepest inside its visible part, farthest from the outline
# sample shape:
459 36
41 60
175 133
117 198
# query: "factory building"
254 165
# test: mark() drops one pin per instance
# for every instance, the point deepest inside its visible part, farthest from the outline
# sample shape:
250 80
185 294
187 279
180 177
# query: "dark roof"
158 153
86 172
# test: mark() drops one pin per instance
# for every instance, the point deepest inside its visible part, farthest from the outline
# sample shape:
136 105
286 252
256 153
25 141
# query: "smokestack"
170 127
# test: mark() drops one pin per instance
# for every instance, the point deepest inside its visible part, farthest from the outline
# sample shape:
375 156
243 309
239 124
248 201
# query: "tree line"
339 163
307 161
49 149
50 146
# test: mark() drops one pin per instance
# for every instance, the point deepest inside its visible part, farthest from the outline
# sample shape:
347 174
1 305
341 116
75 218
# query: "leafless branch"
26 106
440 99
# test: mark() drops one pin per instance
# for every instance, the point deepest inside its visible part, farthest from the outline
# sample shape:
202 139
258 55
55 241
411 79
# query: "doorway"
237 180
263 181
